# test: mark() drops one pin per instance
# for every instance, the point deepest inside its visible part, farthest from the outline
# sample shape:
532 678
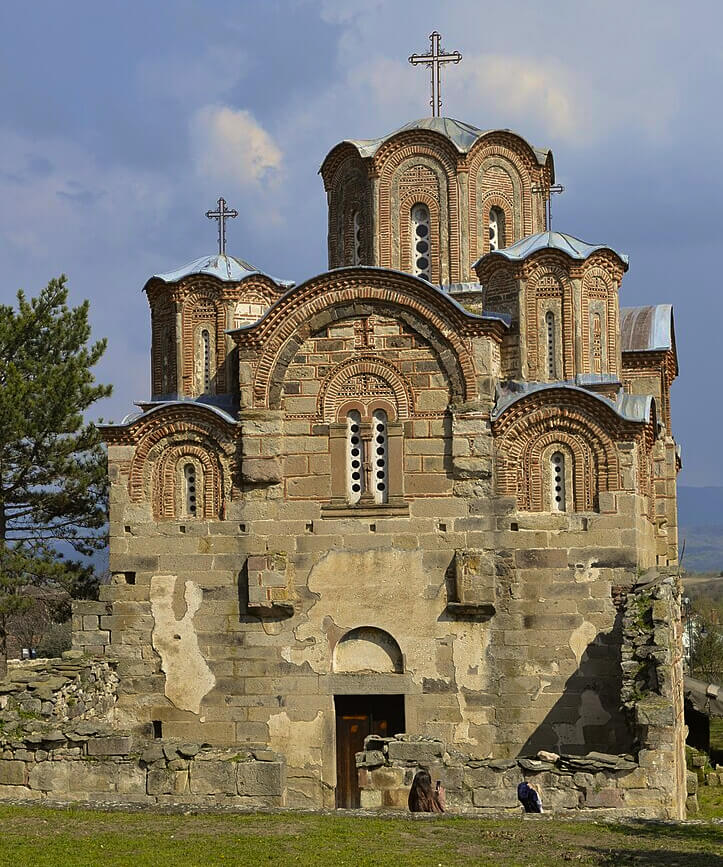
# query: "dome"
462 135
567 244
229 269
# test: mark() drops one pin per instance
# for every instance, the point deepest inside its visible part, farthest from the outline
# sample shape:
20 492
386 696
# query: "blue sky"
122 122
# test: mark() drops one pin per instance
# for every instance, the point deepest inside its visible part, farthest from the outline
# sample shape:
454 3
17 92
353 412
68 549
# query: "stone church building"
429 492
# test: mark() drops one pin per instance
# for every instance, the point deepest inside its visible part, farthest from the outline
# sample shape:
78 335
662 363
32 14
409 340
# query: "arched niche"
368 649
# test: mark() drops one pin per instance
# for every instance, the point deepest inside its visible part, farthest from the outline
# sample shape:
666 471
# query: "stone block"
604 798
12 773
691 780
541 558
261 779
396 799
486 778
421 752
160 781
115 746
94 777
501 798
50 777
213 778
371 799
386 778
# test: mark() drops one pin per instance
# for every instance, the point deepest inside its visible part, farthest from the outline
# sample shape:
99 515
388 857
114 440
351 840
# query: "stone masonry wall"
59 741
607 785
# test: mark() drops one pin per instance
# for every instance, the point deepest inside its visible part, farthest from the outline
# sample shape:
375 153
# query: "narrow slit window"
189 480
357 246
420 242
596 343
206 351
380 481
550 335
497 229
557 483
355 457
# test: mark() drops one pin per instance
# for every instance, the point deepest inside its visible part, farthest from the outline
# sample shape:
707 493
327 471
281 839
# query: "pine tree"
53 481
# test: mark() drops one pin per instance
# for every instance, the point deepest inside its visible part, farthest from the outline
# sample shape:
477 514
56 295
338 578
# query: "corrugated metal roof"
226 268
568 244
646 329
462 135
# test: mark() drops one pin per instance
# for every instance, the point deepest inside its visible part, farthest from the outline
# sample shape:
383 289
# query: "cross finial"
221 214
547 192
434 60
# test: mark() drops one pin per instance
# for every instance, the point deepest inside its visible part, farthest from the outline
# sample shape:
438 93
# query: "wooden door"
351 729
356 717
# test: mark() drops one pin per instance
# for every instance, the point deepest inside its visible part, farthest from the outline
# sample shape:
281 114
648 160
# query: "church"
413 510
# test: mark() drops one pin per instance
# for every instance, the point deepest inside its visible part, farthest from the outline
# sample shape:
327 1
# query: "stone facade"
371 505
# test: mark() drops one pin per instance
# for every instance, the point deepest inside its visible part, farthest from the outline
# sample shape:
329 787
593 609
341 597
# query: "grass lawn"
37 837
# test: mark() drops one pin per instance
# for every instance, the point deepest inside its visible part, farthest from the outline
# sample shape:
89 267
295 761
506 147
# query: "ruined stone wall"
605 786
60 741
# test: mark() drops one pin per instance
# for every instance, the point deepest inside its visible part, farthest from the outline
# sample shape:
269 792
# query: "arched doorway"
364 650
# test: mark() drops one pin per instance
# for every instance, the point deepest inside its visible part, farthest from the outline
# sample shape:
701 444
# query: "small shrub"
56 640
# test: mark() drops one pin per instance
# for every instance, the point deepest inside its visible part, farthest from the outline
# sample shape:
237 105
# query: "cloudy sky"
122 121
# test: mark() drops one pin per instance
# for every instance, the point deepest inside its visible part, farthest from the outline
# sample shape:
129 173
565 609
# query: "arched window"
380 483
558 497
421 253
190 503
597 349
206 360
357 241
497 229
355 457
550 344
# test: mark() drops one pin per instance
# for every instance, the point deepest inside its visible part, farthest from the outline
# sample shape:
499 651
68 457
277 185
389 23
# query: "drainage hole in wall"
514 526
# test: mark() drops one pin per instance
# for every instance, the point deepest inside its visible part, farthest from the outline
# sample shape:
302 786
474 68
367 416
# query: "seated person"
423 798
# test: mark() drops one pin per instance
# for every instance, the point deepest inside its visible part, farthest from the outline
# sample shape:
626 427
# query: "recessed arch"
530 428
331 391
367 649
351 294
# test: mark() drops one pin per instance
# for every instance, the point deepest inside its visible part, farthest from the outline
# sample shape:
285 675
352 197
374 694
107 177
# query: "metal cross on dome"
434 60
221 214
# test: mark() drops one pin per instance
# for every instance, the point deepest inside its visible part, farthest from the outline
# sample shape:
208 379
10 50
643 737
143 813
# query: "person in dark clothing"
423 798
529 798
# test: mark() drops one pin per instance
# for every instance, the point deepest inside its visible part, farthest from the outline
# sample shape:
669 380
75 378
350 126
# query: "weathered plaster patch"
585 573
299 741
385 589
581 638
188 677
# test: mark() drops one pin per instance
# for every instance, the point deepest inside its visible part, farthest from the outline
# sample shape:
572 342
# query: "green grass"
44 837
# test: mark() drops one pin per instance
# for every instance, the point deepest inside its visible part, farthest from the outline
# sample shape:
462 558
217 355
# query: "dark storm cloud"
132 118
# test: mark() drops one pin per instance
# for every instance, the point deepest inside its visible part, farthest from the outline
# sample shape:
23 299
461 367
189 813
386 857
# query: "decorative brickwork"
277 338
365 378
389 509
534 426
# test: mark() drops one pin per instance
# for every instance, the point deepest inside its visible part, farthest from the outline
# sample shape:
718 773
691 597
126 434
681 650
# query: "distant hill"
700 519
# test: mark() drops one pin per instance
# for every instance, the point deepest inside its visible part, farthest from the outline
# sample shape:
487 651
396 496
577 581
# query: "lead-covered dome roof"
229 269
